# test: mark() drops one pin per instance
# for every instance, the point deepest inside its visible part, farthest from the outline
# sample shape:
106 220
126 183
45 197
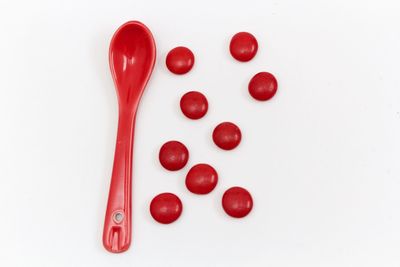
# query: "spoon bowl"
132 56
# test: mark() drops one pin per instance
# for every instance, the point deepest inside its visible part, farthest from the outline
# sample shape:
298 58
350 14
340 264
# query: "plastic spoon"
132 56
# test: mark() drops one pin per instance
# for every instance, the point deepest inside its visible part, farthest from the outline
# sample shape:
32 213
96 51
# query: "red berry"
173 155
194 105
263 86
201 179
243 46
180 60
237 202
166 208
227 135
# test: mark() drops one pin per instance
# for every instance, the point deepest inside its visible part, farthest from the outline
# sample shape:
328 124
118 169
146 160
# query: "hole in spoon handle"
118 216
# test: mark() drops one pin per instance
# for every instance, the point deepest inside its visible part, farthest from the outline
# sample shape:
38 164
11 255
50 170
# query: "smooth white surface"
321 159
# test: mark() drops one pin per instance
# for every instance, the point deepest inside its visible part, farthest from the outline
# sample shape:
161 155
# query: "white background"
321 159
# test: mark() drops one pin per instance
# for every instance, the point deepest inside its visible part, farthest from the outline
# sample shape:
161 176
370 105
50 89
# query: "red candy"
263 86
173 155
180 60
227 135
243 46
201 179
237 202
166 208
194 105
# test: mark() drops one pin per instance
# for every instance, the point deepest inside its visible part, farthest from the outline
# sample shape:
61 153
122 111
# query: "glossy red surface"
173 155
263 86
237 202
194 105
132 56
201 179
166 208
243 46
180 60
227 135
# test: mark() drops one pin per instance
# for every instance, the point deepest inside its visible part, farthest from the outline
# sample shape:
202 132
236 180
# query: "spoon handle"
117 224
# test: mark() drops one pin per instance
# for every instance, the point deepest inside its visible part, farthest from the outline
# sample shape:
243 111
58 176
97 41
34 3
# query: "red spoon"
132 56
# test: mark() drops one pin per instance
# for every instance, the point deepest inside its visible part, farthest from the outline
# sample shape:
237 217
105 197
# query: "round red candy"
237 202
180 60
243 46
263 86
227 135
194 105
173 155
201 179
166 208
